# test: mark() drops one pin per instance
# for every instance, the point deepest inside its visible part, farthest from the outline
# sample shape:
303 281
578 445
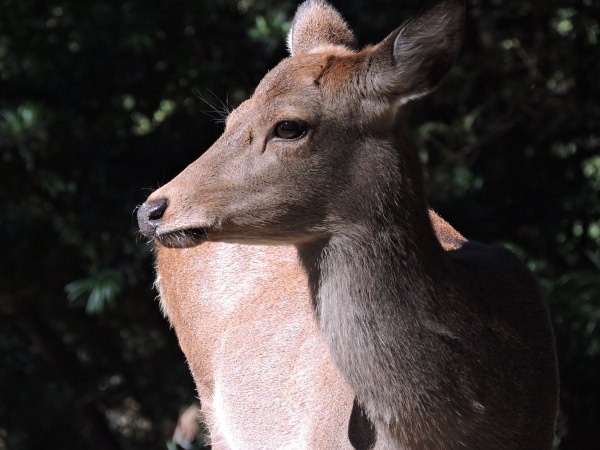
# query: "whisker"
217 113
225 107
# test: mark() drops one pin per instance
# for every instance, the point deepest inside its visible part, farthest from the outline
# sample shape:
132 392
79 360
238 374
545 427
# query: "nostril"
150 214
157 208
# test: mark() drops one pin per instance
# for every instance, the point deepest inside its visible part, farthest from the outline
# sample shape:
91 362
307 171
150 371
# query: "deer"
319 301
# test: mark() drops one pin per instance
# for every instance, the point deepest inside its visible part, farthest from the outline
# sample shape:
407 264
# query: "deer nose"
150 215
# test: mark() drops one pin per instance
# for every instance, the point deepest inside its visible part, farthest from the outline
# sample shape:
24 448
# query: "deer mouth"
183 238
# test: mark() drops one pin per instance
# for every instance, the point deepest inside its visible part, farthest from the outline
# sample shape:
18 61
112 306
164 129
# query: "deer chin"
184 238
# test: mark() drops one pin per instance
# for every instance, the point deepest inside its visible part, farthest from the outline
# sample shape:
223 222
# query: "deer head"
318 135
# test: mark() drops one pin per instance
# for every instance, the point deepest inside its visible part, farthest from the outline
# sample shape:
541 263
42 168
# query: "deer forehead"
303 83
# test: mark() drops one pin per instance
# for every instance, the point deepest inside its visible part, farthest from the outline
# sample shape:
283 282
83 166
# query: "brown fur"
445 343
262 369
234 306
317 26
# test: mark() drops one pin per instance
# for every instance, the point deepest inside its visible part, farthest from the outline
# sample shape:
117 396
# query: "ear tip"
317 22
308 5
453 3
458 6
451 12
451 8
422 50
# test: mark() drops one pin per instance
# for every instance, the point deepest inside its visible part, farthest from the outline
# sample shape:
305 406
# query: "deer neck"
374 281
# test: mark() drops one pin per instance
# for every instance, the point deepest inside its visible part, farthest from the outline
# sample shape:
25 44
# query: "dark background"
101 101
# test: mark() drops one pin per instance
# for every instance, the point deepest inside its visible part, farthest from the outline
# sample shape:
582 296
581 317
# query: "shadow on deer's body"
443 342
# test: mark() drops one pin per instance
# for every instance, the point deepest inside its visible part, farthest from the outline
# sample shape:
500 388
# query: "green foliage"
99 105
98 291
271 30
582 314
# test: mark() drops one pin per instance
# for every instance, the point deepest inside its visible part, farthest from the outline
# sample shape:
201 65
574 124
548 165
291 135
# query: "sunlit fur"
445 343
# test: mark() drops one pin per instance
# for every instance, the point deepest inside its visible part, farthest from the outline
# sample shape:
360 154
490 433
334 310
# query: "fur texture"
446 343
316 27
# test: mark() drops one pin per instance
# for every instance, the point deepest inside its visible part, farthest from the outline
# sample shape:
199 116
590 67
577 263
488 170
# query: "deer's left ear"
413 60
318 25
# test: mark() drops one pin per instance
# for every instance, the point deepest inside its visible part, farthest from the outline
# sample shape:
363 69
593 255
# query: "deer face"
271 175
296 159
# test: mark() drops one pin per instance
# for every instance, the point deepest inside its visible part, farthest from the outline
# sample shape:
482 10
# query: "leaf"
97 291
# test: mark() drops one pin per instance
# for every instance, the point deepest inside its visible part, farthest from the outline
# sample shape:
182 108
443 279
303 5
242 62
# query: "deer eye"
290 129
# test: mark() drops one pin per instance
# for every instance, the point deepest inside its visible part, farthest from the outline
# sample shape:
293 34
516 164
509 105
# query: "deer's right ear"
317 24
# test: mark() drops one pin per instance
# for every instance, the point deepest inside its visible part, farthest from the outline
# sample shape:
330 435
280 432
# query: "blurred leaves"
98 291
271 29
578 311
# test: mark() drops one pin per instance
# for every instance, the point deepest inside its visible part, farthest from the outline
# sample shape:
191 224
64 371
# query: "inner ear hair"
423 51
